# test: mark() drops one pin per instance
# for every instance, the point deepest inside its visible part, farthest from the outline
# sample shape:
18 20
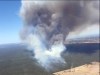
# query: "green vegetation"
18 61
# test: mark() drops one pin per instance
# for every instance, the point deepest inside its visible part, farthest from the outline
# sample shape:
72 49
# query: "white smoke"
46 57
47 23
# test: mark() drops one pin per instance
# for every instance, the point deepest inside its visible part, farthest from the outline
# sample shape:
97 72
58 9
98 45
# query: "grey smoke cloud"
55 19
47 23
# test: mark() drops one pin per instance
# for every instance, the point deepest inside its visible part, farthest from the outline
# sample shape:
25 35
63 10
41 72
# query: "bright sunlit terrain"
87 32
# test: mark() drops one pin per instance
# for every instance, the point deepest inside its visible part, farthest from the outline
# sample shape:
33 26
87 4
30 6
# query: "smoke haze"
47 24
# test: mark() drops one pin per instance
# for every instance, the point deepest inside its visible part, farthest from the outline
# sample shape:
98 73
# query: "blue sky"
10 22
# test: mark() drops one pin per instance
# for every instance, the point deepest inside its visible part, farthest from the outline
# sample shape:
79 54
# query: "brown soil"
88 69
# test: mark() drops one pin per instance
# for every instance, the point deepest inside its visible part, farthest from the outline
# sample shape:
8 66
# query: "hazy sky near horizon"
11 23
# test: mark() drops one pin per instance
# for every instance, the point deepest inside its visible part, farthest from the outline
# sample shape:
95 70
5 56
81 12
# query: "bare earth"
88 69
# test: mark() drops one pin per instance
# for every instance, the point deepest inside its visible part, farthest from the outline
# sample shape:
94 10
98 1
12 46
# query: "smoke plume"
47 23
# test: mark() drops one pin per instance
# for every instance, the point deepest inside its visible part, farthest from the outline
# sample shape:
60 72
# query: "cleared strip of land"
87 69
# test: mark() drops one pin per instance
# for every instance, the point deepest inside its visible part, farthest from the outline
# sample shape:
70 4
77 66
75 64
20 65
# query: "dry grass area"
88 69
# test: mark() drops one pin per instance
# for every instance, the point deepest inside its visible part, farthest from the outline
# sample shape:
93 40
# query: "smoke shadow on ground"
87 48
74 59
79 54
